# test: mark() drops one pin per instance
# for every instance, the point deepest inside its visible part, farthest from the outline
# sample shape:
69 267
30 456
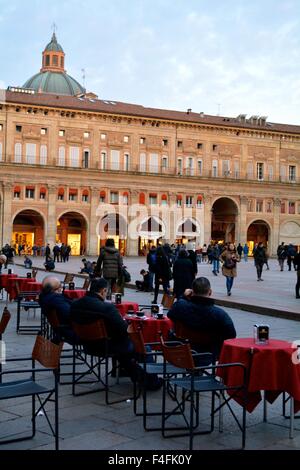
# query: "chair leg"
56 415
191 420
292 411
33 416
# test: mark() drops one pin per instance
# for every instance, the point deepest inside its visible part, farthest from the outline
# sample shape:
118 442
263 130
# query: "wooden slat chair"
144 350
47 355
197 381
68 278
89 335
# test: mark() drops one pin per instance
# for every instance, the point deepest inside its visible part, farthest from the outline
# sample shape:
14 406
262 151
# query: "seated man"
92 307
51 297
87 267
144 284
196 311
27 262
49 264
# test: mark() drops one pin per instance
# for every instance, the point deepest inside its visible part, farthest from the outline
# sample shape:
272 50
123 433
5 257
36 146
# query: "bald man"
51 297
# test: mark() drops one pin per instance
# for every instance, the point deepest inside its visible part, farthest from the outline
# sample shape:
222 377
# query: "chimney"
189 110
241 118
263 120
254 119
202 114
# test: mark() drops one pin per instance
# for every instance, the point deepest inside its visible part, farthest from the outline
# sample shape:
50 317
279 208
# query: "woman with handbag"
163 273
229 259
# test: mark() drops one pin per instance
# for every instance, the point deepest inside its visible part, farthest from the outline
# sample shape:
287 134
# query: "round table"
74 293
151 327
4 279
124 307
270 367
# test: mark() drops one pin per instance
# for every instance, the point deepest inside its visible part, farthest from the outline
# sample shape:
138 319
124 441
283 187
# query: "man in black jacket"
197 312
92 307
297 267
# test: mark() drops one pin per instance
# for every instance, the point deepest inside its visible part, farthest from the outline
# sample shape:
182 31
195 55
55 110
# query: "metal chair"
47 355
34 273
28 300
199 379
68 278
6 316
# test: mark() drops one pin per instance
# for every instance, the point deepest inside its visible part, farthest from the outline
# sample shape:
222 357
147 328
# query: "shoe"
297 296
258 279
261 279
214 272
229 293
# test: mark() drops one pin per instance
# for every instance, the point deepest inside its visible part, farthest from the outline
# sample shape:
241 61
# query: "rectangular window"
164 163
42 196
292 207
165 142
250 205
236 170
126 162
260 171
292 173
214 147
114 198
73 195
271 172
85 198
86 159
17 194
215 168
152 199
125 199
179 166
190 166
43 131
115 160
179 202
199 146
74 157
269 206
60 197
61 133
18 128
103 136
30 153
179 144
250 170
143 162
189 201
29 193
61 156
226 168
126 139
103 161
282 207
153 163
200 167
43 155
142 140
259 205
86 135
282 173
55 60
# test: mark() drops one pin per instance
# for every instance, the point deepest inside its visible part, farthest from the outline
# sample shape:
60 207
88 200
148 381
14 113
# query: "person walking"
297 266
162 273
246 252
215 259
151 261
229 260
291 253
281 255
259 255
183 273
239 250
109 264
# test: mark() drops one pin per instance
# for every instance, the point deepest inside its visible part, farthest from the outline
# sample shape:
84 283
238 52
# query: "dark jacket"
109 263
193 258
200 314
183 275
163 269
297 262
60 303
91 307
151 260
259 256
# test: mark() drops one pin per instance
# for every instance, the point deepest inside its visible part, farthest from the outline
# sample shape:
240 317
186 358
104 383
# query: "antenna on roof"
54 27
83 77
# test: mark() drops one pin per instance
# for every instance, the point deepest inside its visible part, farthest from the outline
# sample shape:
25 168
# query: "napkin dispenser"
118 299
261 334
154 309
28 275
71 286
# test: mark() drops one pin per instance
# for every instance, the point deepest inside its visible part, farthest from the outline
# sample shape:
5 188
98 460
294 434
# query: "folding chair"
136 336
68 278
199 379
48 355
86 284
89 335
27 300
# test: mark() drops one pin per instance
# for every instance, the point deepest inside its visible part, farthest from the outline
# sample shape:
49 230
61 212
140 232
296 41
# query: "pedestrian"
291 253
49 264
281 255
27 262
215 259
246 252
229 270
183 273
143 285
163 273
297 264
239 250
109 264
204 253
151 261
259 255
47 252
193 257
56 252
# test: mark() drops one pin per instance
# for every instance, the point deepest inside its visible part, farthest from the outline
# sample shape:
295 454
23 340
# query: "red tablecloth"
23 283
4 279
125 306
74 294
151 327
269 367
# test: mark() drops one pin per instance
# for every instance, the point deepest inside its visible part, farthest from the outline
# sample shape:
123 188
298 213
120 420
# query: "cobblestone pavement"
87 423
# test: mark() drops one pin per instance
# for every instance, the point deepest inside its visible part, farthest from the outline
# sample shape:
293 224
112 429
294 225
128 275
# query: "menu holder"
9 271
261 334
118 299
28 275
71 286
154 309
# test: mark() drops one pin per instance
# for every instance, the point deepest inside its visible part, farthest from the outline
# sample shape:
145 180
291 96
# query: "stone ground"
87 423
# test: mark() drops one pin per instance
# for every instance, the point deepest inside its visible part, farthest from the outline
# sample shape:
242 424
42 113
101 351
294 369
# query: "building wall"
258 171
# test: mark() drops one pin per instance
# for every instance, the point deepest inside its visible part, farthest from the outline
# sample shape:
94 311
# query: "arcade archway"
188 230
28 230
114 226
72 231
224 218
258 231
151 232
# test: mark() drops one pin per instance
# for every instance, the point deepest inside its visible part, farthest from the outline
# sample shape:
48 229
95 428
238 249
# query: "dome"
54 82
53 45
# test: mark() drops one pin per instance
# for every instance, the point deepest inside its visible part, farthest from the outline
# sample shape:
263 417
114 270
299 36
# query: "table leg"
265 407
292 417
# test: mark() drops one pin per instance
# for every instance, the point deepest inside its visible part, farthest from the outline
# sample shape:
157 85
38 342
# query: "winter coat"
183 275
259 256
163 269
109 263
227 256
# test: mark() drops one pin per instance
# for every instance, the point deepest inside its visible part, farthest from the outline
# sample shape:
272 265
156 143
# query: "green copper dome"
53 45
54 82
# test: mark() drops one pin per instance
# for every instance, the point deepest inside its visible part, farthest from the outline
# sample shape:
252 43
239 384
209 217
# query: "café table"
151 326
23 285
125 307
4 279
272 368
74 293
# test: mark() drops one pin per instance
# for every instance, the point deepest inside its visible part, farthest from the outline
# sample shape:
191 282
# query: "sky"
218 57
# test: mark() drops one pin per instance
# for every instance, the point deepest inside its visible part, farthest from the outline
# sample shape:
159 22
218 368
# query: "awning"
199 198
85 192
102 194
179 197
73 192
164 197
125 194
43 190
61 191
17 189
142 198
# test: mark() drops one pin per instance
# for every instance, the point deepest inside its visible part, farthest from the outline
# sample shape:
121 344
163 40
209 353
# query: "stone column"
207 218
132 245
274 242
241 233
51 229
7 222
93 238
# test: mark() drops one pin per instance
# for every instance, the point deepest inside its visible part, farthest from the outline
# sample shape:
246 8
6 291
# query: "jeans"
259 268
151 277
246 257
216 265
229 283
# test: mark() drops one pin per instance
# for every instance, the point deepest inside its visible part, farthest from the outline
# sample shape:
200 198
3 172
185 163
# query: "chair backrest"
34 273
46 352
91 332
86 284
52 318
136 336
206 340
6 316
179 355
68 278
167 300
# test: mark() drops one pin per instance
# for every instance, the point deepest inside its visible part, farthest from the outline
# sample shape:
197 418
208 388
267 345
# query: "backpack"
126 274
